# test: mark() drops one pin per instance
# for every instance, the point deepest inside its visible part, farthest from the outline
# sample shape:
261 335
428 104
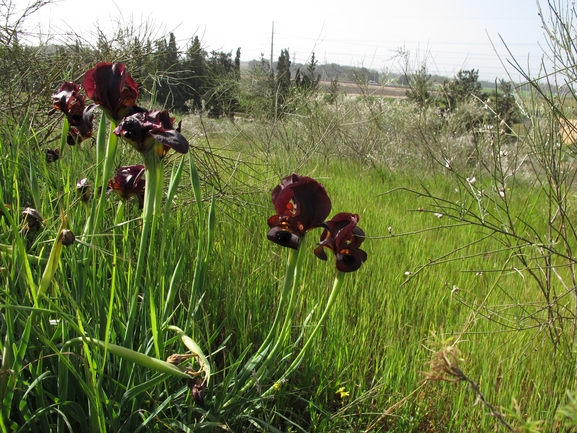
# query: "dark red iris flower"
128 182
343 237
70 101
152 130
112 88
79 133
301 204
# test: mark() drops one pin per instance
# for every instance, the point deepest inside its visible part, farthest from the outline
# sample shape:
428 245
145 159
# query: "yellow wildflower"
342 392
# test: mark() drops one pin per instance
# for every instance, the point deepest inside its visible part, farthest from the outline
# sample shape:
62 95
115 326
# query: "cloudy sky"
448 35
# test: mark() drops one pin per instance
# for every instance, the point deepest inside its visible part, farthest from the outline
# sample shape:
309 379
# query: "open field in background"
370 89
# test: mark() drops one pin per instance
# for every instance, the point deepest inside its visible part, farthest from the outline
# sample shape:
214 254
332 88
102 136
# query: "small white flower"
407 273
471 180
438 215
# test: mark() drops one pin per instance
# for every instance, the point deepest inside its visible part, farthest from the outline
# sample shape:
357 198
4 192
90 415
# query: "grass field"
421 291
436 286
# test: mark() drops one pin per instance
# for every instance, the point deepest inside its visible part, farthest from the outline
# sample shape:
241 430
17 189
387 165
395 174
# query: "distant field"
373 89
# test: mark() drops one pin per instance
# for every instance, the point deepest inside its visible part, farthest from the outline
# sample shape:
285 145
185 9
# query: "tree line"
453 95
187 80
192 79
195 80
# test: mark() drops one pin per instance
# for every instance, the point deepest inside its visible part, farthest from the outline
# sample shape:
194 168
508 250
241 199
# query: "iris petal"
112 88
343 237
144 129
128 182
301 204
69 101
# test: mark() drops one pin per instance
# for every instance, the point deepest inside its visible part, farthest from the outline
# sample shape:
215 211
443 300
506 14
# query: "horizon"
447 36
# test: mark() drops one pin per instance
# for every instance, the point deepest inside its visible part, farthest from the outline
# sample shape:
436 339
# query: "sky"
445 35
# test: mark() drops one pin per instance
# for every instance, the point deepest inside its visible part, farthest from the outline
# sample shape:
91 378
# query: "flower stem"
199 270
152 252
286 325
105 154
153 174
265 355
288 288
63 136
129 355
337 285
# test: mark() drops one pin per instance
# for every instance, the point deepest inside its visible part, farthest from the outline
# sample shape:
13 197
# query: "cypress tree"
195 72
283 80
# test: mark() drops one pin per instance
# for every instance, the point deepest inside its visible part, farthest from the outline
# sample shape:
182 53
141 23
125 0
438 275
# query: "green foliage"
384 312
258 98
269 96
222 96
333 91
420 87
567 413
464 99
308 80
196 72
168 80
503 105
27 72
463 88
282 84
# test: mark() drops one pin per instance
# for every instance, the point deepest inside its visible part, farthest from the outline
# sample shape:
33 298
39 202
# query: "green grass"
428 282
377 341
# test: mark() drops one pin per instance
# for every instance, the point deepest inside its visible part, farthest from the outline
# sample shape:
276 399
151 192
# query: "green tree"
237 64
464 92
142 64
282 81
195 74
503 104
464 87
308 80
170 88
222 95
333 91
172 51
359 75
420 87
258 92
